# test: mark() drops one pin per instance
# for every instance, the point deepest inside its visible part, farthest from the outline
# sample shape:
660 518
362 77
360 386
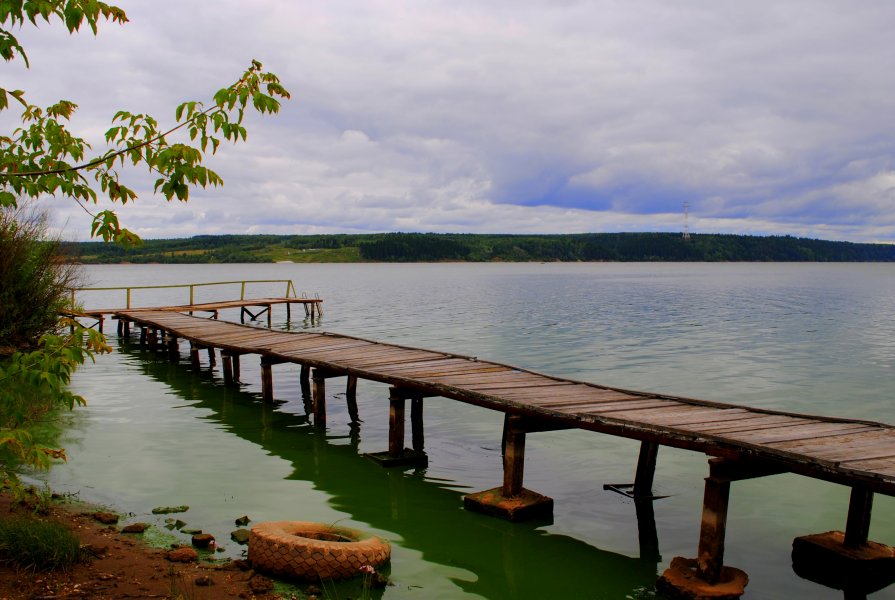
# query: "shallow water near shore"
813 338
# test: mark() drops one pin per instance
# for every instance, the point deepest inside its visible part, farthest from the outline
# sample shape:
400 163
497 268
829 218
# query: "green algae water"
795 337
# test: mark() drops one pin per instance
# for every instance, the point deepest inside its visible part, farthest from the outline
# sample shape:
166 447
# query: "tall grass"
38 545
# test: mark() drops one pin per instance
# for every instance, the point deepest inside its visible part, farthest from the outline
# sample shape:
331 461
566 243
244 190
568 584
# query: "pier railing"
290 288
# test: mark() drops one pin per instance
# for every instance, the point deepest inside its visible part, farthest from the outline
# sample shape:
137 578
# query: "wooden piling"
646 469
395 425
227 368
319 381
194 356
514 459
710 555
266 381
351 399
857 526
416 424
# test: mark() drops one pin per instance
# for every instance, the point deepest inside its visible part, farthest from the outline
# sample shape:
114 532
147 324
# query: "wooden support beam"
710 555
351 399
514 458
857 526
142 333
235 359
305 374
211 358
646 469
396 425
120 327
127 328
416 424
319 379
173 348
266 381
194 356
227 368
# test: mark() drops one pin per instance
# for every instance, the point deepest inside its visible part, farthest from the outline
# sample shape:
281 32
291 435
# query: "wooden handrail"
290 288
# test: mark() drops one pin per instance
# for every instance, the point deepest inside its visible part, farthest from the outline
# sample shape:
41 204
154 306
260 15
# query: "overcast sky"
767 117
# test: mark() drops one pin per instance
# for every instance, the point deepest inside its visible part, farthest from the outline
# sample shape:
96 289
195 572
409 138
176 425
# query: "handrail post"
242 294
192 287
73 299
128 298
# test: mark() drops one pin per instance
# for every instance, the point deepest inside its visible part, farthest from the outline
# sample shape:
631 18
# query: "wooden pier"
741 442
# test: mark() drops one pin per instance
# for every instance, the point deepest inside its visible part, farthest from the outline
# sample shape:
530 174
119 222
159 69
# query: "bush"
38 350
34 280
37 545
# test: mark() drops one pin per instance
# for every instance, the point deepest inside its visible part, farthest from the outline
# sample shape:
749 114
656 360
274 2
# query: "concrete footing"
681 582
408 458
525 506
824 558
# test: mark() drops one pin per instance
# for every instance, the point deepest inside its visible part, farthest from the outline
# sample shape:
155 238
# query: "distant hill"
439 247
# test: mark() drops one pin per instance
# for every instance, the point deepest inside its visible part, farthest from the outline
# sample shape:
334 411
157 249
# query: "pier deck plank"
849 452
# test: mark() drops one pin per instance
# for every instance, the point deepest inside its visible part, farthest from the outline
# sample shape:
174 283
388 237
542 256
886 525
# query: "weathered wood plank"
790 433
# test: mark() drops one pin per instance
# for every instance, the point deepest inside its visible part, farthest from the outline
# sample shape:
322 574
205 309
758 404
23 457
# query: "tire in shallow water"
313 551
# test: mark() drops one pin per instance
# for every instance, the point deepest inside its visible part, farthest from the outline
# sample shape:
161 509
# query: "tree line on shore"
435 247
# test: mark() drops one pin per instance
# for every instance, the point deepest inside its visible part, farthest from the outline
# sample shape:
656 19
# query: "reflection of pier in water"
521 560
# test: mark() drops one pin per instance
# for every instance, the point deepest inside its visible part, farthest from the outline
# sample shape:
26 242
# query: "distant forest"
443 247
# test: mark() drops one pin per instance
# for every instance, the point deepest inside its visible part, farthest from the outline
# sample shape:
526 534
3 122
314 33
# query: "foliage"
34 279
44 158
38 545
432 247
38 351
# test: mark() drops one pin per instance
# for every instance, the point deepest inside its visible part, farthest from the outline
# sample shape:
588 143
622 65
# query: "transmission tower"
686 221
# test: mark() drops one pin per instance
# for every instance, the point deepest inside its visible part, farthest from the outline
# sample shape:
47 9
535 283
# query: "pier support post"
706 576
266 381
120 327
513 461
235 359
173 348
194 356
857 524
847 561
211 359
511 500
416 424
646 469
710 555
351 399
397 455
227 368
319 380
395 426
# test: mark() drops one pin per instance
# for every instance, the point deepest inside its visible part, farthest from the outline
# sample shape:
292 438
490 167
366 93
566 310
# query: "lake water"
815 338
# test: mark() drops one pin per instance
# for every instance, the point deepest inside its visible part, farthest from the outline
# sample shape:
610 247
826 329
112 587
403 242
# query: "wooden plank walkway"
840 450
747 442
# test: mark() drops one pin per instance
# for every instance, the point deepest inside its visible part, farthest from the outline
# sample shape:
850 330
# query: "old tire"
313 551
